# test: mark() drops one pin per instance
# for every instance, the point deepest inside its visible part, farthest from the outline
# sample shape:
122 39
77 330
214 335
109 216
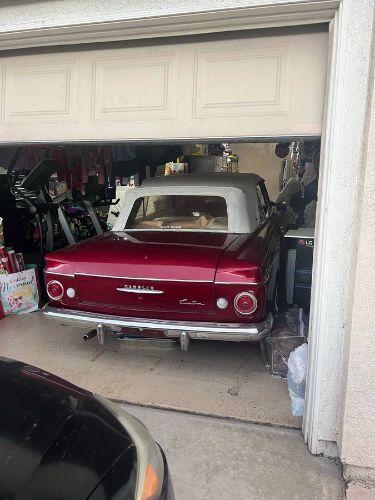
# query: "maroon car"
192 256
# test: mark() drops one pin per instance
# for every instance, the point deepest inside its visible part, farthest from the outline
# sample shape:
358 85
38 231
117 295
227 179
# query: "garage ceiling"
248 87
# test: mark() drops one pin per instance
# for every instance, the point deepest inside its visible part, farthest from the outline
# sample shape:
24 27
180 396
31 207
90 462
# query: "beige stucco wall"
260 159
357 440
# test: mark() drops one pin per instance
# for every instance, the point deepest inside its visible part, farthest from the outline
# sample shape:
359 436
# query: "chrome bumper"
236 332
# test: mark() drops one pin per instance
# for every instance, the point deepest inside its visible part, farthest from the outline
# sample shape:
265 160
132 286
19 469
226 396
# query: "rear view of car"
60 441
190 257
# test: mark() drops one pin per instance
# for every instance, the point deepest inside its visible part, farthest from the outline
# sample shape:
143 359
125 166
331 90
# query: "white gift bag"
19 292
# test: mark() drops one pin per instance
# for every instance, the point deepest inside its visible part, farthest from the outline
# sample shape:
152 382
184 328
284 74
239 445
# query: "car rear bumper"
237 332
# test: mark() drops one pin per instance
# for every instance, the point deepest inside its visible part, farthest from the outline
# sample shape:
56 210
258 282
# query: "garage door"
252 86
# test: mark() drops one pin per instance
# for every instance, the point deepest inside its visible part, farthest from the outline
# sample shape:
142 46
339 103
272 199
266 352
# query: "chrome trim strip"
238 283
254 283
200 330
141 279
59 274
133 290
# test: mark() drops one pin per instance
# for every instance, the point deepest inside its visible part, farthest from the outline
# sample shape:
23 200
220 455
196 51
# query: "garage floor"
221 379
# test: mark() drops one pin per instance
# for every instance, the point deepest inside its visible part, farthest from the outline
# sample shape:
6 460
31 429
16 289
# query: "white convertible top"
239 191
246 182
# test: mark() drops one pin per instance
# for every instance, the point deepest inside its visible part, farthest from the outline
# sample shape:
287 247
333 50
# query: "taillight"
55 290
245 303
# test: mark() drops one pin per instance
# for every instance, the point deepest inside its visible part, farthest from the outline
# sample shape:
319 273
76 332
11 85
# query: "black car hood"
56 440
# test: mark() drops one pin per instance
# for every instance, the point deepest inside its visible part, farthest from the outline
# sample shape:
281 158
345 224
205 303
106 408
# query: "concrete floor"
214 378
357 491
218 459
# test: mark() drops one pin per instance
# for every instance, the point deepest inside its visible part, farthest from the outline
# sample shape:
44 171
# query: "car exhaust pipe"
89 335
184 341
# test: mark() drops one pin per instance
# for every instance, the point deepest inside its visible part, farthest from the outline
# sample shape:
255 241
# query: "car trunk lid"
144 270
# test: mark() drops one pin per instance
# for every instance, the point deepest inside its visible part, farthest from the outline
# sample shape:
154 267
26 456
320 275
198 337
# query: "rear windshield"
208 213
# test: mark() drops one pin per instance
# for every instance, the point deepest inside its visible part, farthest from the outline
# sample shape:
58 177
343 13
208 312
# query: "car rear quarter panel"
247 265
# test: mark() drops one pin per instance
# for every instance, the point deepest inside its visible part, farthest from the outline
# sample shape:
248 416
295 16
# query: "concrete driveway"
210 458
213 378
217 459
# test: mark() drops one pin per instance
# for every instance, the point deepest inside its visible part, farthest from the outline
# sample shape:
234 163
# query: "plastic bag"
288 333
290 324
297 364
297 369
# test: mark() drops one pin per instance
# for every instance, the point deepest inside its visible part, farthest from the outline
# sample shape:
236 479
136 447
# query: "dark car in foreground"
58 441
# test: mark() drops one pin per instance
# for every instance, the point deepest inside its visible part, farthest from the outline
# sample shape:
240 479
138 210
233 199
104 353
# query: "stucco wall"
357 441
260 159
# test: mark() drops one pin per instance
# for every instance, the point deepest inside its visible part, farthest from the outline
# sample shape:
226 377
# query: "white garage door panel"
265 86
39 93
134 88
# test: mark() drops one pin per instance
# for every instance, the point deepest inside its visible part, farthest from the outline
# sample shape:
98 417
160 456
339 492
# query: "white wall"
357 440
260 159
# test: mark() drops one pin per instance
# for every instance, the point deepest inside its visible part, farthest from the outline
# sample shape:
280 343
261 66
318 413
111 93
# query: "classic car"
60 441
193 256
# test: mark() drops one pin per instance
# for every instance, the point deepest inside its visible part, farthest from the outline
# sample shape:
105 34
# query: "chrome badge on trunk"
139 289
187 302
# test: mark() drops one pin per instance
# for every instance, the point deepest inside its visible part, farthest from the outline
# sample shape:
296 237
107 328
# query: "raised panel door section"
39 92
264 86
244 80
268 85
136 87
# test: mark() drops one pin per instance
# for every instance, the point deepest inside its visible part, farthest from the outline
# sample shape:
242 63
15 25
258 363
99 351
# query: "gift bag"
19 292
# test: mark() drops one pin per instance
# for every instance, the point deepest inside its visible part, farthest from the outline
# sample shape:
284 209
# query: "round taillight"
55 290
245 303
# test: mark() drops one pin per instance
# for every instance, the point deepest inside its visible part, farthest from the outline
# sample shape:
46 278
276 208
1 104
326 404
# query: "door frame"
340 185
